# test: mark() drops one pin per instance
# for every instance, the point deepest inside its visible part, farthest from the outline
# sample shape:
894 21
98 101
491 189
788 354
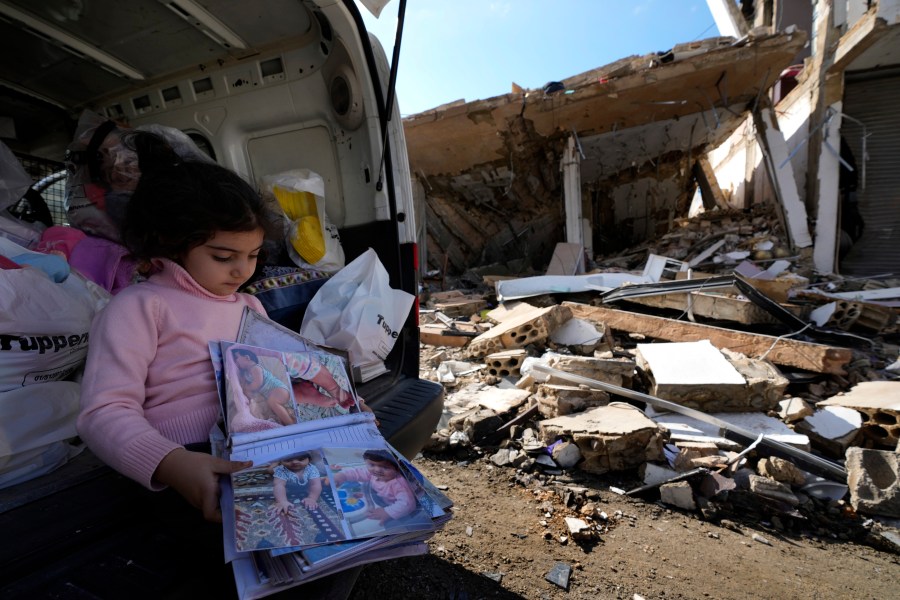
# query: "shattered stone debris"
544 399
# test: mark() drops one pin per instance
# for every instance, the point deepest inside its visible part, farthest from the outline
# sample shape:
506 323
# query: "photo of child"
266 386
284 504
320 385
375 494
296 477
267 389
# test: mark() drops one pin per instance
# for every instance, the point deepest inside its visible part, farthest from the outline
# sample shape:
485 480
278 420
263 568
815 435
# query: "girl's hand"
283 507
195 475
310 504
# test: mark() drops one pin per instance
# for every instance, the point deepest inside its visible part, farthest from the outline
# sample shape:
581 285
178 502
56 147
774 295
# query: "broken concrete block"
615 371
611 438
678 494
476 424
775 490
579 335
832 428
653 474
500 400
780 470
533 327
503 364
566 454
579 529
874 480
558 400
794 409
689 451
694 374
879 403
765 383
455 303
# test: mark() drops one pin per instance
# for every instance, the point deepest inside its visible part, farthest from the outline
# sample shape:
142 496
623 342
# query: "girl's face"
225 261
296 464
381 471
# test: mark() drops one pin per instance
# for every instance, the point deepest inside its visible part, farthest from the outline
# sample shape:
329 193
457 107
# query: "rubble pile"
684 395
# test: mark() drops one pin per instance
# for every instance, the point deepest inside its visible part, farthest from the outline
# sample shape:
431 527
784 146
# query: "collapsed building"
708 233
791 108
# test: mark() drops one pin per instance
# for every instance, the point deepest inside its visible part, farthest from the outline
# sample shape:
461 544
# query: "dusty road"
505 538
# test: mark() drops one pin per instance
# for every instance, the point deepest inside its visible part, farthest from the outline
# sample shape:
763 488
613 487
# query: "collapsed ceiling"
490 168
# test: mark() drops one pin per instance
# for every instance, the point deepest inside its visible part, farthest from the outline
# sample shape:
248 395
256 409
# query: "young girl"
297 475
149 389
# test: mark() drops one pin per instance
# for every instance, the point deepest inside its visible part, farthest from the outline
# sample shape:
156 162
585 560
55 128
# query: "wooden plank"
781 351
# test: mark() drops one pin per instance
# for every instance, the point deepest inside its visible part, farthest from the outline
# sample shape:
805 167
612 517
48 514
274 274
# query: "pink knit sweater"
149 385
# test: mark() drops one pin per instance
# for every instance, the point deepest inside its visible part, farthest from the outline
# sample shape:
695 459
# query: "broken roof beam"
782 351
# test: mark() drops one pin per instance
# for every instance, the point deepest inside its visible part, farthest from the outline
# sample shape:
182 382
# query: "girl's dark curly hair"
179 205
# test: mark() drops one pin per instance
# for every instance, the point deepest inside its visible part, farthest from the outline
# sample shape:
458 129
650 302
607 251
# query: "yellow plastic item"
296 204
308 241
301 208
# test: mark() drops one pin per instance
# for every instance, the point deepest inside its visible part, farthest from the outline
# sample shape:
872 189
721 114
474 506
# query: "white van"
263 87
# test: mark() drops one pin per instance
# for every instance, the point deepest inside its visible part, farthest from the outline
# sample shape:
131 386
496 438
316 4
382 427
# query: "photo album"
326 491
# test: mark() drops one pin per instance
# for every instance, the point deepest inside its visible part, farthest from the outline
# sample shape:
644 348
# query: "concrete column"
571 168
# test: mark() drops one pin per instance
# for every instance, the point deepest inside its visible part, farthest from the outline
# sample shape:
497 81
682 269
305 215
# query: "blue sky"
475 49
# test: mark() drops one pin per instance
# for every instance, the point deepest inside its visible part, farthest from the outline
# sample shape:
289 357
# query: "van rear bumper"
408 413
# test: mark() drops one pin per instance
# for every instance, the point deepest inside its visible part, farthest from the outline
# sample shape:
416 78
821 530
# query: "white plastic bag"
311 239
35 423
43 325
358 311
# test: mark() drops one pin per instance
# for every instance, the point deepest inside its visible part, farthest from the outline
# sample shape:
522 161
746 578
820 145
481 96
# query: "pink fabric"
59 239
104 262
149 385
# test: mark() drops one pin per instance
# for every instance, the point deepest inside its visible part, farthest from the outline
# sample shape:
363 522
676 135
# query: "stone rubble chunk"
769 488
566 454
557 400
476 423
781 470
678 493
794 409
611 438
874 480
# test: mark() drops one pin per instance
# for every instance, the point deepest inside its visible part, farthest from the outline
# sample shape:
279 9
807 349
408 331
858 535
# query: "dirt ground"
506 536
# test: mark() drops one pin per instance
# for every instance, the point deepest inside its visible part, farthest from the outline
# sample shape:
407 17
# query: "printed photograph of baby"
284 504
375 493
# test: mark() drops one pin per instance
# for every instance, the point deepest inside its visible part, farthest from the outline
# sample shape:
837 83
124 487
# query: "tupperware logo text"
42 343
